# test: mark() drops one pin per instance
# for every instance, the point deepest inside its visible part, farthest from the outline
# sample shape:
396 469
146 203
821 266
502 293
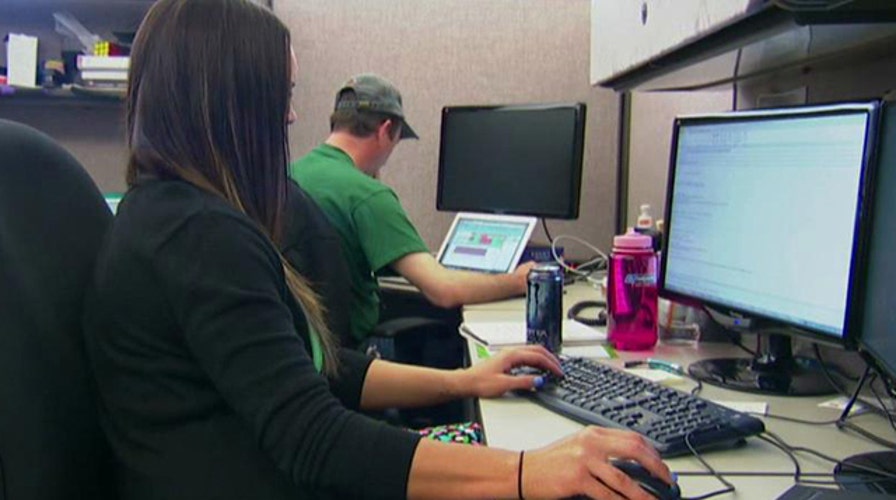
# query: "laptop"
487 243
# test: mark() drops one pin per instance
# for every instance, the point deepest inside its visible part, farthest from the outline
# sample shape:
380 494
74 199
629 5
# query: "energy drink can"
544 306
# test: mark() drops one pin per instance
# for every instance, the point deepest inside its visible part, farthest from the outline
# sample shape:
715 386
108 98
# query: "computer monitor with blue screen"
765 218
512 159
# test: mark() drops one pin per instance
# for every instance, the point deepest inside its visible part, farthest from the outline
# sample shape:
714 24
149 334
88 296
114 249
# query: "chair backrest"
312 246
52 219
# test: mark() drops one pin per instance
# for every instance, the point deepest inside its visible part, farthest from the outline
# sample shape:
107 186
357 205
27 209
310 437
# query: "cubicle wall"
442 52
650 132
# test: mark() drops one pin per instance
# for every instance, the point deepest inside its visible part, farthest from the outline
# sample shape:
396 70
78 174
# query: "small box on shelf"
21 60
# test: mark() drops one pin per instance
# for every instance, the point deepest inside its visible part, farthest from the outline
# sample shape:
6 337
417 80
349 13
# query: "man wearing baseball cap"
341 174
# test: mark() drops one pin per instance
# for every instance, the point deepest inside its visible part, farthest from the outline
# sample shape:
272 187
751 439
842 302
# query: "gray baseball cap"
369 92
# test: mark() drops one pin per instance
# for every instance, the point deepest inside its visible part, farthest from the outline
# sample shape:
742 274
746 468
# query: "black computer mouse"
648 482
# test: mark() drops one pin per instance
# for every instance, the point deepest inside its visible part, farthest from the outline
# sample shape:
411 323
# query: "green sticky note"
482 352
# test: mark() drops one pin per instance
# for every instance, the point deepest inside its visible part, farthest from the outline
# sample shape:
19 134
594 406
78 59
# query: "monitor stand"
852 474
774 370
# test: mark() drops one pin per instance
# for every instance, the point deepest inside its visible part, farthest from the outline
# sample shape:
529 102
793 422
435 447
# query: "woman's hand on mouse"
579 465
492 377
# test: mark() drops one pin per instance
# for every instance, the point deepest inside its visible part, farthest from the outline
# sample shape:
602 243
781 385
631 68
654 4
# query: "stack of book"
107 72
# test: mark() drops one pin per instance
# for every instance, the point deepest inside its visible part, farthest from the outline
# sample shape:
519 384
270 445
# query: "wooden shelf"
67 96
96 15
76 3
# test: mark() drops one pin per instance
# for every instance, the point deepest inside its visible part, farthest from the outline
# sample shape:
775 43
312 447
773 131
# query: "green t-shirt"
374 228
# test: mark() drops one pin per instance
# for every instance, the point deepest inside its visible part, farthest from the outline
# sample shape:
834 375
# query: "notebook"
511 333
487 243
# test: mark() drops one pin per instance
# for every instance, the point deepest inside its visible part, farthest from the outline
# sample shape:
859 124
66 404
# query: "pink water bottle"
631 293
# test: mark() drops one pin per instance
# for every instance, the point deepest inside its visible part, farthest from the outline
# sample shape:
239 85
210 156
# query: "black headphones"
578 307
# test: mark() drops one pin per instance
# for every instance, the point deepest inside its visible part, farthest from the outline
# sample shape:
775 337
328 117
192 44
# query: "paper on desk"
658 376
757 407
595 351
509 333
839 403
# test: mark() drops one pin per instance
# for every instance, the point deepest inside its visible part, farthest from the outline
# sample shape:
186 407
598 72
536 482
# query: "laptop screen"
485 242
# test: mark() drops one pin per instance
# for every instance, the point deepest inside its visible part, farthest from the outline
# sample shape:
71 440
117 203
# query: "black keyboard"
592 393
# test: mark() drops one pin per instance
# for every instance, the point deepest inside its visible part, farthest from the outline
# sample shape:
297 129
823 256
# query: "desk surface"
515 423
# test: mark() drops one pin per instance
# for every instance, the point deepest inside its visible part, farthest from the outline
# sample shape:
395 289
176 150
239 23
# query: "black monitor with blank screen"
513 159
877 341
878 336
765 217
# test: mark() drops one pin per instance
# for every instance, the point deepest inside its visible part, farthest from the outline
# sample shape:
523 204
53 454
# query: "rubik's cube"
105 48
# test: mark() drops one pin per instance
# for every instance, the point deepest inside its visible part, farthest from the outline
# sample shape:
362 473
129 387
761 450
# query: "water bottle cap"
632 239
645 220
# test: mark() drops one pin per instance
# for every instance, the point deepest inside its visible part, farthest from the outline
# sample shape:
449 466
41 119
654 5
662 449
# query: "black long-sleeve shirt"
201 358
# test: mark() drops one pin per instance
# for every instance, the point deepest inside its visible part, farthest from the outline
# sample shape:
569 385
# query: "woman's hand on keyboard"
579 465
493 377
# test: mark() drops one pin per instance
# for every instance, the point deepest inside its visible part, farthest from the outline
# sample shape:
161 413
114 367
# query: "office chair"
312 246
420 333
52 218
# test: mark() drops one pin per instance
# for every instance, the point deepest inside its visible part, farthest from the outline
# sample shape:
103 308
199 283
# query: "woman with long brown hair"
217 375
